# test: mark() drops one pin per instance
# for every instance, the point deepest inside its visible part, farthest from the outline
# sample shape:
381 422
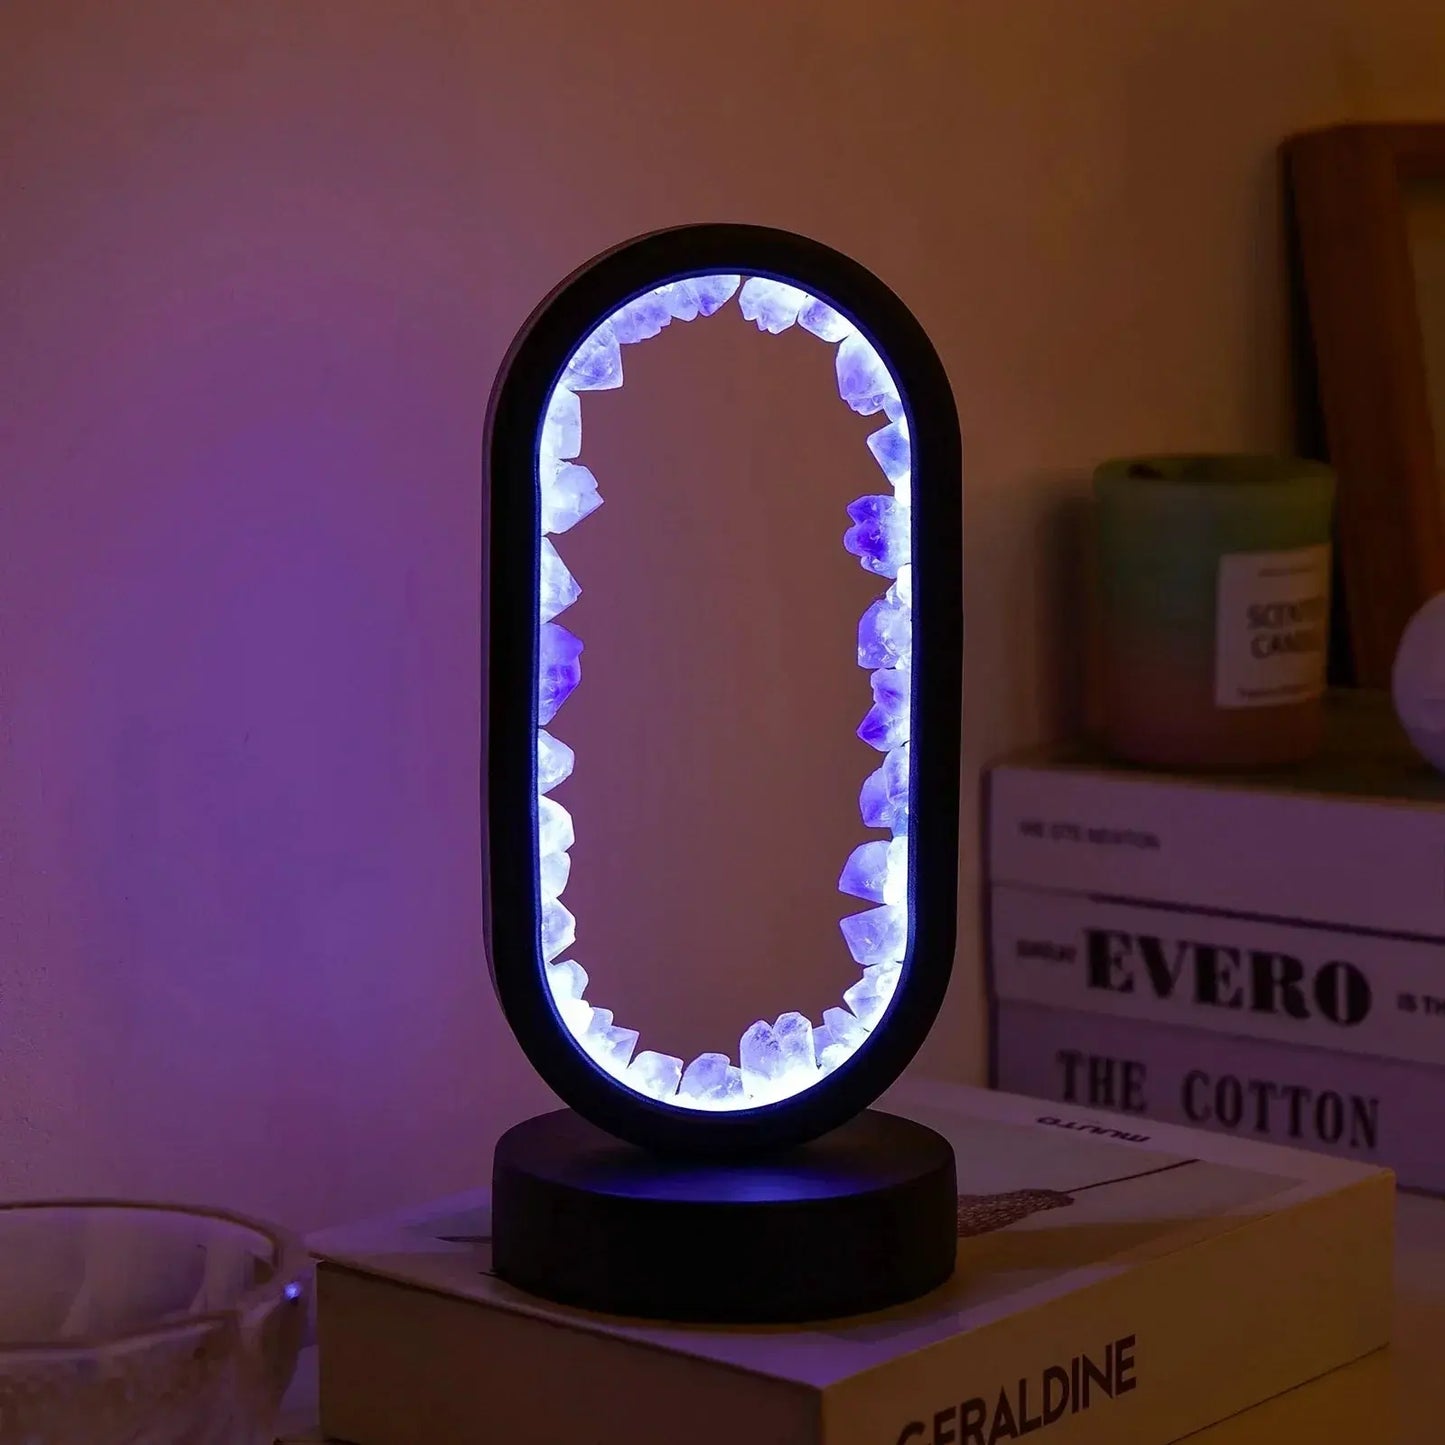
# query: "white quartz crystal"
872 993
567 979
562 425
569 493
773 305
895 883
704 1074
883 799
596 365
611 1046
558 589
714 292
903 586
655 1074
553 870
642 318
794 1034
844 1028
878 936
559 929
885 632
681 300
877 871
554 761
863 379
555 833
576 1014
712 1081
820 318
892 451
865 870
760 1056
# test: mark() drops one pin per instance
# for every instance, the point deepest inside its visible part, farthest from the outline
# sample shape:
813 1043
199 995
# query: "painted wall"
258 264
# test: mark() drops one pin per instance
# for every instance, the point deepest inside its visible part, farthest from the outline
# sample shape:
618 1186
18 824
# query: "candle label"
1272 624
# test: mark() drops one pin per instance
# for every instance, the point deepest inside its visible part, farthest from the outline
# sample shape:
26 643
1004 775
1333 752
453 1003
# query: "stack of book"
1262 955
1114 1282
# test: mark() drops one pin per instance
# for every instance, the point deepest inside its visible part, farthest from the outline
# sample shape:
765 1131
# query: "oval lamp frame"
511 893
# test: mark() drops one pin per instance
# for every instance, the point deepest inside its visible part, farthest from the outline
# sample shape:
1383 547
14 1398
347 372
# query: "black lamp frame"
512 905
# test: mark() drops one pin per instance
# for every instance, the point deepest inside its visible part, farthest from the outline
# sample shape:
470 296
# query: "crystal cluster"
883 801
596 365
654 1073
773 305
877 936
559 668
820 318
641 318
885 725
644 316
553 871
874 991
885 632
779 1059
558 588
879 537
864 381
877 871
893 452
562 426
610 1045
712 1081
559 929
554 761
569 493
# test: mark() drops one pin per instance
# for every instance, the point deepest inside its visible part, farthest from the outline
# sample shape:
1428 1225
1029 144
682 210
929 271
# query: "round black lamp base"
859 1219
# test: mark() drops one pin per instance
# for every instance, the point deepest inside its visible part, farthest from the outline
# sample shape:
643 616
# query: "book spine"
1350 993
1343 861
1153 1353
1373 1111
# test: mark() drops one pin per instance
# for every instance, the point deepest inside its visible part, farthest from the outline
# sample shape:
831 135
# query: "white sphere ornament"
1418 681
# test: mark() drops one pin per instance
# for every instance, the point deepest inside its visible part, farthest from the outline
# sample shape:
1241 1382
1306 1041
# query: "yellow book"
1118 1280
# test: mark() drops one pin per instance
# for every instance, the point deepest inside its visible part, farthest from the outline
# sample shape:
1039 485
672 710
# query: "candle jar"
1214 574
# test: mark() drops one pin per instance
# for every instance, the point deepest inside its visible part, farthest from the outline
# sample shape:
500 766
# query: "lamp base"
860 1219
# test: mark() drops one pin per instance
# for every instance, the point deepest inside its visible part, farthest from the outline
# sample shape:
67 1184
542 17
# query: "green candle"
1214 575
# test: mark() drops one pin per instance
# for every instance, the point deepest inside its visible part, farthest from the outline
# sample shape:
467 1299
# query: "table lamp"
752 1183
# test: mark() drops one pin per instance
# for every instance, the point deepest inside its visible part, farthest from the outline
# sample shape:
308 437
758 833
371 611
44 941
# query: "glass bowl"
144 1324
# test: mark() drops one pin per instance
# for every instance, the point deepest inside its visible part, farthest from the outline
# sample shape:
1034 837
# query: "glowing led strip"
777 1060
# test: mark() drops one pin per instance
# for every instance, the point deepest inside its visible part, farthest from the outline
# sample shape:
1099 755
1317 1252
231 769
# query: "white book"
1350 992
1113 1284
1355 838
1377 1111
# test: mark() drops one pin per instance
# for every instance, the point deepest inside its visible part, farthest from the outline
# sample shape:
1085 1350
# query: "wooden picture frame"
1365 377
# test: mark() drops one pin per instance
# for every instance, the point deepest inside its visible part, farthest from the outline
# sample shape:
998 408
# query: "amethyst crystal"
886 725
879 534
885 633
559 668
